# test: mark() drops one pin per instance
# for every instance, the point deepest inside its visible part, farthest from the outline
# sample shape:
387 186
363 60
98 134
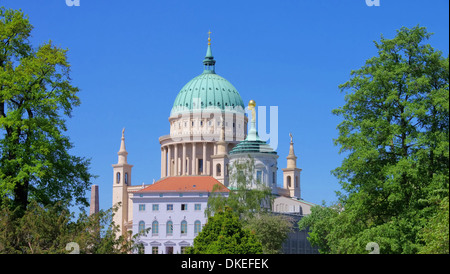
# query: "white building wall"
162 240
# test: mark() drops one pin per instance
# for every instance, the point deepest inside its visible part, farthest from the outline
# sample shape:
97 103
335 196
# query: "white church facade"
208 133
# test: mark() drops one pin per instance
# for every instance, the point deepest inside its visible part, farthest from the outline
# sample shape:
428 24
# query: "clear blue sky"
130 59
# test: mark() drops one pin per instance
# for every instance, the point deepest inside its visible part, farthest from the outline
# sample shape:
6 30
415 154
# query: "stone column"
194 159
162 162
169 161
175 156
204 158
183 163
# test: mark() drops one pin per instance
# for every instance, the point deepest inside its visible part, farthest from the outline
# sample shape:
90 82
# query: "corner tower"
121 181
291 174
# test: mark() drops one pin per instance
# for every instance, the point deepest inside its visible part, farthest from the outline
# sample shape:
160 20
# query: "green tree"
395 134
49 229
247 196
35 98
435 233
251 200
270 230
223 234
320 220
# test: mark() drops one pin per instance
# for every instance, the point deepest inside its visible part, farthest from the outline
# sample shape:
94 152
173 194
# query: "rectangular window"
200 166
155 207
259 176
169 207
184 207
154 250
141 207
198 206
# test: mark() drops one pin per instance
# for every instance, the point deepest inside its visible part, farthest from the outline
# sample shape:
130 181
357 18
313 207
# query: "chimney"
94 200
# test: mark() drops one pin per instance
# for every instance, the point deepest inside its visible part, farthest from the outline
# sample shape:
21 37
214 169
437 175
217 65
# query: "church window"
141 226
197 227
259 176
296 181
155 228
118 177
288 181
184 207
169 207
169 228
126 178
200 166
198 207
274 178
183 228
218 170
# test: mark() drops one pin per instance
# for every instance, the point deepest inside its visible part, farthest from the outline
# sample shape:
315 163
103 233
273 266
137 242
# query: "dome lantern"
209 61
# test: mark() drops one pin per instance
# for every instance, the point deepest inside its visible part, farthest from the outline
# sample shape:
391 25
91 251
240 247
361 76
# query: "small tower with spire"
121 182
220 159
291 174
209 61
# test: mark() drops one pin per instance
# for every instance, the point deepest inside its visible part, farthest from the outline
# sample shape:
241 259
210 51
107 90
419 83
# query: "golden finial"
209 38
251 106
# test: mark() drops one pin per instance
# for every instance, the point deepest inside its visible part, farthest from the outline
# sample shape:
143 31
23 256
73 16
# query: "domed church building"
207 134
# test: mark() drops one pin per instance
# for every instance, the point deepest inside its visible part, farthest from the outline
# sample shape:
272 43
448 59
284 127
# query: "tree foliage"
52 229
395 134
250 200
224 234
36 96
270 230
247 196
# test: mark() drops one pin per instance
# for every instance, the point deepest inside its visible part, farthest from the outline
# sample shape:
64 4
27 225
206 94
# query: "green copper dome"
208 91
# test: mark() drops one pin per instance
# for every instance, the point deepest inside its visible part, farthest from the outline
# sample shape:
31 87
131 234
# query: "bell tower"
220 159
291 174
121 182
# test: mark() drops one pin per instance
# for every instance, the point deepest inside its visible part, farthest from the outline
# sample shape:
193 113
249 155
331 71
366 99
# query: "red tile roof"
185 184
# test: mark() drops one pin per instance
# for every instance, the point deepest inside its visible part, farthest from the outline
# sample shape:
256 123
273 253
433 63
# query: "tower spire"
122 151
291 158
209 61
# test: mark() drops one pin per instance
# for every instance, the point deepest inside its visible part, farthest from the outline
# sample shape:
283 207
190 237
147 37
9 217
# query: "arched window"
197 227
169 228
219 170
288 181
126 178
296 181
183 228
155 228
118 177
141 226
